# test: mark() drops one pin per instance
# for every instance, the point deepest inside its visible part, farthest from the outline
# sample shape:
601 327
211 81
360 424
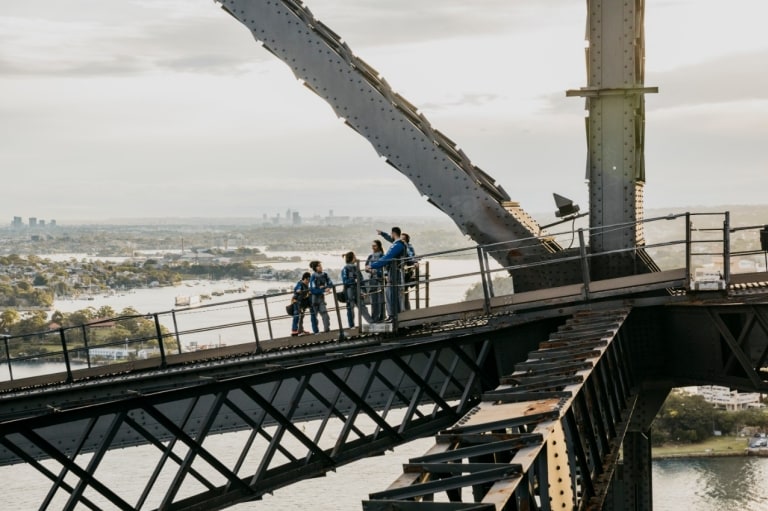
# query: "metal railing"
686 240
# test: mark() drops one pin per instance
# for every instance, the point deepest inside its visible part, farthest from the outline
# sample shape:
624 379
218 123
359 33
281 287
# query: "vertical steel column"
631 488
615 129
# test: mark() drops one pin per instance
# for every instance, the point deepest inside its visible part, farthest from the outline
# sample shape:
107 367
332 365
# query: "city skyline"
171 109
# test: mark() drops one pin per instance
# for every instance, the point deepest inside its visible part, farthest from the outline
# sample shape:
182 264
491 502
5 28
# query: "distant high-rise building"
32 221
52 223
41 222
17 222
296 218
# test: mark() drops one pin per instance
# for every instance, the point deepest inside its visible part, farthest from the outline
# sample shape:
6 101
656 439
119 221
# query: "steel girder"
434 382
547 438
400 133
615 128
713 343
616 122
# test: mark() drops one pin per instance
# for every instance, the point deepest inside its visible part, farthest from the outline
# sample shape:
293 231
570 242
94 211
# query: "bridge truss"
570 427
547 438
347 398
532 405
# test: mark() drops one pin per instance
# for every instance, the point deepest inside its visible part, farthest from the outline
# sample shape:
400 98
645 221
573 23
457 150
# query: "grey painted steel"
615 170
397 130
717 344
441 171
351 398
615 127
281 385
656 347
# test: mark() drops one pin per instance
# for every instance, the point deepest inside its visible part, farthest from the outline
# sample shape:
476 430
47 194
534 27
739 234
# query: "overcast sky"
169 108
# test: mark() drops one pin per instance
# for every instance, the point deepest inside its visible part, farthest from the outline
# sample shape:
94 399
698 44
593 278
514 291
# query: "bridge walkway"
445 367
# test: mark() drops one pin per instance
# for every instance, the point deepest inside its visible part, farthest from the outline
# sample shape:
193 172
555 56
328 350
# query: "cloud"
143 107
127 41
373 22
732 78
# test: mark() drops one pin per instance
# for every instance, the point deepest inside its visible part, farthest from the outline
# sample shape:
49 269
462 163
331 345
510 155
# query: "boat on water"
187 300
277 290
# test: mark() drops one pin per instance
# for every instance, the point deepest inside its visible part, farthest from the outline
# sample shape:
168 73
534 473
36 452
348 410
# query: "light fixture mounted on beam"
565 206
566 210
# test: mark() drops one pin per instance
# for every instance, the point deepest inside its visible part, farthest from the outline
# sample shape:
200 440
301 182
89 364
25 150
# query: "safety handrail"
163 334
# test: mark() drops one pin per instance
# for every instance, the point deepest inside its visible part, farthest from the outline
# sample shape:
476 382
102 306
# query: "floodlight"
565 206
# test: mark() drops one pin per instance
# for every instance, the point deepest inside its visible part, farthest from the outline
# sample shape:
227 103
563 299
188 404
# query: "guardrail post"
159 333
688 241
66 354
269 320
85 344
359 296
584 264
484 279
393 291
426 285
727 249
176 330
488 271
253 323
764 244
417 279
338 312
8 356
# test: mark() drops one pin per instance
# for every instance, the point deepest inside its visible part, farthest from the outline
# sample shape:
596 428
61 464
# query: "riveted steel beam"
431 383
559 443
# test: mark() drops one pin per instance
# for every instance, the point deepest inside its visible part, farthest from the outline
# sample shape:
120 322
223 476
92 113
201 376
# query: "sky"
115 109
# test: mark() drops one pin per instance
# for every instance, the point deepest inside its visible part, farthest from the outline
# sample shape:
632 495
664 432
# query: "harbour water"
711 484
705 484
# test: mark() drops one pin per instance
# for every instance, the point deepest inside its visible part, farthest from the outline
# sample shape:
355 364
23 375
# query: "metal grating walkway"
546 438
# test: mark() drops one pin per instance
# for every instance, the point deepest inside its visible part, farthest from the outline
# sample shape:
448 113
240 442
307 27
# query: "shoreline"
702 454
734 448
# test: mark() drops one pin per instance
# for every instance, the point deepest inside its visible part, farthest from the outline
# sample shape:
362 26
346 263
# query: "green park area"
713 446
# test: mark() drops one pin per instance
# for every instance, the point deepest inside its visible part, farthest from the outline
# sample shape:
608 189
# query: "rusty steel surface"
568 424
